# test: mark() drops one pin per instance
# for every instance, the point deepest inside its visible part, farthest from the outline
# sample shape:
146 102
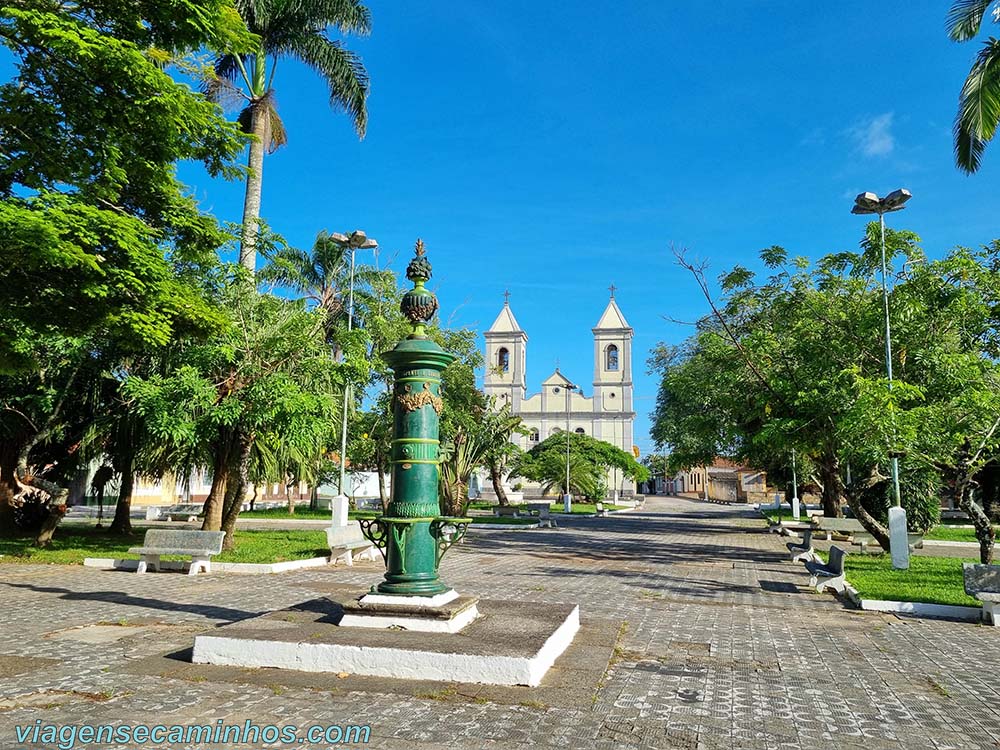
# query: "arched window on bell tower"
503 359
611 358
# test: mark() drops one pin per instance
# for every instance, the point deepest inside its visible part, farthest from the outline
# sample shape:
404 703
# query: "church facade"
607 414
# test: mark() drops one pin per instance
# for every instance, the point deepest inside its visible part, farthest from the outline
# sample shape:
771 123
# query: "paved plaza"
712 639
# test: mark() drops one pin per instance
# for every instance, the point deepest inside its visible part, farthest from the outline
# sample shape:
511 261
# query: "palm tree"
295 29
979 103
321 277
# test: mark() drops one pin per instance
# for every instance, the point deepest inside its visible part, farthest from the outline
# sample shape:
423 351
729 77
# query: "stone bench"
198 545
983 583
855 530
831 572
505 511
601 510
543 512
347 542
802 551
182 511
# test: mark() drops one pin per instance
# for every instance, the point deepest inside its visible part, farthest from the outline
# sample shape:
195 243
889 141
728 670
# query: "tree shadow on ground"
119 597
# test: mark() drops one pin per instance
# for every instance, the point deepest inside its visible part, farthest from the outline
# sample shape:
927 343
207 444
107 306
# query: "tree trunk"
963 486
871 524
57 504
288 499
215 502
56 513
497 479
314 497
8 486
829 470
122 524
234 499
251 201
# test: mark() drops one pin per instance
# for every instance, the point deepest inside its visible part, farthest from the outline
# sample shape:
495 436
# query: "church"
607 414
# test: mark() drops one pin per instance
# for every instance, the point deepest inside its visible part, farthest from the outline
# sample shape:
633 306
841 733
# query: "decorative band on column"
415 450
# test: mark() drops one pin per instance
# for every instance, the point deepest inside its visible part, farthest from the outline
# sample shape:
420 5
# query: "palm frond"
978 108
222 91
965 19
344 72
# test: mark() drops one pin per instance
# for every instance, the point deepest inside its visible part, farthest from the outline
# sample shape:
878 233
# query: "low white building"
607 414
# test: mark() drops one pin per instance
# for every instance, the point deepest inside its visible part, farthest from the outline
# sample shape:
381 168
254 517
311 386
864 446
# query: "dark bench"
831 572
803 550
983 582
198 545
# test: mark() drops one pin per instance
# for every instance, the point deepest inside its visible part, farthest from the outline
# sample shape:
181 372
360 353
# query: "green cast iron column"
411 544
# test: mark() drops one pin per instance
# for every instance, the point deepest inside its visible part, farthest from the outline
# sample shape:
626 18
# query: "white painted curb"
920 609
107 563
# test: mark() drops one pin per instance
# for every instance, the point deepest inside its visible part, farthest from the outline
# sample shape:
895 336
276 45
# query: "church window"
503 360
579 431
611 357
533 435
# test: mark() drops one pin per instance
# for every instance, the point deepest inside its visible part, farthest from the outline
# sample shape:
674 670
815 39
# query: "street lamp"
568 497
870 203
355 241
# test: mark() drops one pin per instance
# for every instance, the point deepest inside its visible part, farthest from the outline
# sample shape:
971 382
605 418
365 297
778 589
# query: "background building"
606 415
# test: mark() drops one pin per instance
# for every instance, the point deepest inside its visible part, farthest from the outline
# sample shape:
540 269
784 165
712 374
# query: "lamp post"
795 490
568 497
355 241
866 204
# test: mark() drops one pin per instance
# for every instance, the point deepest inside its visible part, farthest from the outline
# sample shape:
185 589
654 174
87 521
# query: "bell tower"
613 409
505 377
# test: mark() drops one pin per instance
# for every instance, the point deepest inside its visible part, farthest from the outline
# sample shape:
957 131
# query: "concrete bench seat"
182 511
506 511
802 550
831 573
541 511
983 583
200 546
344 537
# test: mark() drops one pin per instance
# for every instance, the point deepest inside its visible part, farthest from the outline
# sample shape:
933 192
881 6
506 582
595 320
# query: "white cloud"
873 136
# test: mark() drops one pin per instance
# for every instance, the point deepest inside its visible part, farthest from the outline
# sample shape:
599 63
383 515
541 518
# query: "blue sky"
552 148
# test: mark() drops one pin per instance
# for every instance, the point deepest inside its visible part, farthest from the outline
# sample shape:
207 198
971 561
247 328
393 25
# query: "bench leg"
991 613
837 584
370 554
200 564
142 565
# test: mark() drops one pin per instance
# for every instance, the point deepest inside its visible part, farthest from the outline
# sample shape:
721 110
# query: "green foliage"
979 101
589 461
796 362
90 208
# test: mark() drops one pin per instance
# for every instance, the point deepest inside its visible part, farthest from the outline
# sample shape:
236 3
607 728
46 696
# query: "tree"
500 425
287 30
260 399
779 365
97 236
589 461
979 101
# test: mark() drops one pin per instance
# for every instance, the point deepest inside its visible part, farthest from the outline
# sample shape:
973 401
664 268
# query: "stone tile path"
721 645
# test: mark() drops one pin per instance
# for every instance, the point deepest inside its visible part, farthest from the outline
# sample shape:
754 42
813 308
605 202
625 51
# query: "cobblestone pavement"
723 646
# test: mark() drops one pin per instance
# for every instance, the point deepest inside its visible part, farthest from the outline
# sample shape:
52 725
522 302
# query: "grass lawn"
782 514
936 580
949 534
71 545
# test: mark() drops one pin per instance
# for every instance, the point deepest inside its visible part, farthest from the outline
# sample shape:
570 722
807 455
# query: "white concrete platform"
511 643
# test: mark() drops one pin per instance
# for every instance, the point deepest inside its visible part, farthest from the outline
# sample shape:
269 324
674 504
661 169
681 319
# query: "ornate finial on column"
419 304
